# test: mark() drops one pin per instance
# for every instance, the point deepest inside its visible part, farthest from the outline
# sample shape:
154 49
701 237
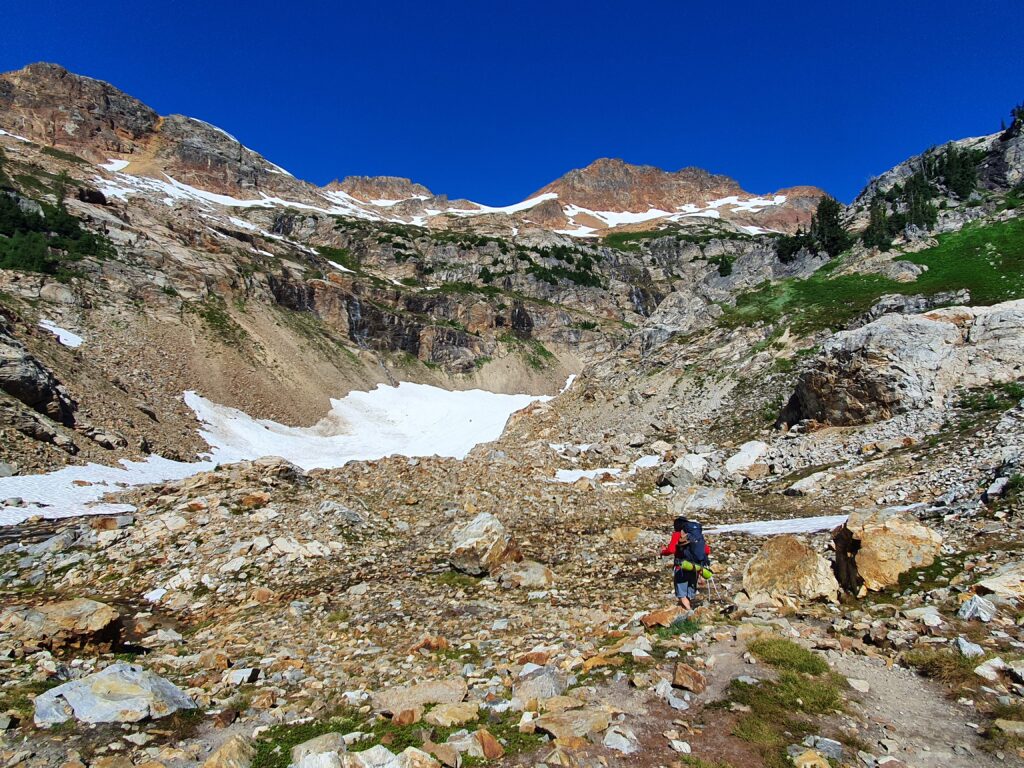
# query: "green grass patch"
945 665
1000 397
457 580
60 154
986 259
681 626
213 312
785 654
21 697
273 748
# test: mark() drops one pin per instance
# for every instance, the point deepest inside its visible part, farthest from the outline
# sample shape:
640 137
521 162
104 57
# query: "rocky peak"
611 184
369 188
48 104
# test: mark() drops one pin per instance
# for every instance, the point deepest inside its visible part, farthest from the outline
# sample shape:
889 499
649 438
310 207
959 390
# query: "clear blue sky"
492 100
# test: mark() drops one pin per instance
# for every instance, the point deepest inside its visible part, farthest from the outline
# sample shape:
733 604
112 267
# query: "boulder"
482 545
448 715
686 677
573 723
749 454
698 500
236 752
327 742
977 607
1007 581
527 574
394 700
687 470
810 485
69 623
26 379
121 693
537 684
873 547
787 569
902 362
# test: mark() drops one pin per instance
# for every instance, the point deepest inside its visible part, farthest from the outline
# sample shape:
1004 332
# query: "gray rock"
537 684
121 693
903 362
328 742
969 649
335 512
977 608
26 379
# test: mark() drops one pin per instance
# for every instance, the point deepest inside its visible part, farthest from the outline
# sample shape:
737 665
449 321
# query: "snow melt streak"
407 420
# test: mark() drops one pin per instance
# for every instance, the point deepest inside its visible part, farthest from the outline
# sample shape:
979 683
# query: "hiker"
690 553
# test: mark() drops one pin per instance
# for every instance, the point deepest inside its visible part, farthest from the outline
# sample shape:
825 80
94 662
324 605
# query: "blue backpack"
696 550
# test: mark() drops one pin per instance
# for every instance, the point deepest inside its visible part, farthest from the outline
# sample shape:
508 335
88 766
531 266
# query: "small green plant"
785 654
998 398
946 666
681 626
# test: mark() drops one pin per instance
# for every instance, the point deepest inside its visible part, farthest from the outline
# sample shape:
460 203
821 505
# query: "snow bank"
115 165
407 420
774 527
64 336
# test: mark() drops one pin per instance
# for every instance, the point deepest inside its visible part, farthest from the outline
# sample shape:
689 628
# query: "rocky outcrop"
23 377
372 188
46 103
121 693
787 570
69 623
899 362
610 184
873 548
481 545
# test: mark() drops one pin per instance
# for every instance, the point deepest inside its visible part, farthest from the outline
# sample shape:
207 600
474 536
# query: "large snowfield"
407 420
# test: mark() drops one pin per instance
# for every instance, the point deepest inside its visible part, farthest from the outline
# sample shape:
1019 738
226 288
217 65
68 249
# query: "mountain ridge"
49 104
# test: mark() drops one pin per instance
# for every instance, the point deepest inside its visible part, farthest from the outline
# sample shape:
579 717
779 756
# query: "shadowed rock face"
26 379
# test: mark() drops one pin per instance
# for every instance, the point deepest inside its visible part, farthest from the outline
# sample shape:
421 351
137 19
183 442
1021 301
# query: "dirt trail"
925 729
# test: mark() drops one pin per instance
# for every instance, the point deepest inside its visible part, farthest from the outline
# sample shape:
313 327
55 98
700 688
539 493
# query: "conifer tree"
827 231
878 234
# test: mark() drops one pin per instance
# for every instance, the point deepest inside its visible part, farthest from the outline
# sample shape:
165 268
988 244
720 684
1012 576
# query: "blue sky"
491 101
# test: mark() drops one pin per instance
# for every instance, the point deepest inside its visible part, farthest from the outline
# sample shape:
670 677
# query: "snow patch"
64 336
775 527
14 136
407 420
115 165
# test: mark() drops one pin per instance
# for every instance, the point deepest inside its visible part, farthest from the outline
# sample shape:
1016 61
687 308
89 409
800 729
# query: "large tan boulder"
481 545
236 752
78 623
874 547
787 570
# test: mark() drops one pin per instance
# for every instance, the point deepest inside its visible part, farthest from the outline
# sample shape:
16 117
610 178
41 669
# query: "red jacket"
671 548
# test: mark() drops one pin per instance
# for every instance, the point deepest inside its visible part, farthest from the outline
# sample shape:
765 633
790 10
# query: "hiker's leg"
681 593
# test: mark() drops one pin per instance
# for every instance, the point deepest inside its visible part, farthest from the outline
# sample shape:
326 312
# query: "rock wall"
902 362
